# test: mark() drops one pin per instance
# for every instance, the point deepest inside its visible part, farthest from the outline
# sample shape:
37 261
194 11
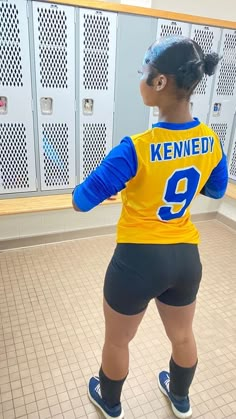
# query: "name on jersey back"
179 149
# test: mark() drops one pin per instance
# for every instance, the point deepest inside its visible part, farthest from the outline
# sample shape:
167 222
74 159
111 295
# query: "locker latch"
216 109
87 105
46 105
3 105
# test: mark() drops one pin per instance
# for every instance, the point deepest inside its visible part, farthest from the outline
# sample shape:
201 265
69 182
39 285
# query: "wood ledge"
60 202
41 203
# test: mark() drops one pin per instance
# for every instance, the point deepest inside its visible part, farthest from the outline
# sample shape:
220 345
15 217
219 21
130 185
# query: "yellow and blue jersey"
160 172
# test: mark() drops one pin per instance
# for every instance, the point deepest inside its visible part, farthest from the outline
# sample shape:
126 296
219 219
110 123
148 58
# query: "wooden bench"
231 190
60 202
41 203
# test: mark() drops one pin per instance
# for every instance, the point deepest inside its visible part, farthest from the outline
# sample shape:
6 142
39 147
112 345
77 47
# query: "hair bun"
188 73
210 62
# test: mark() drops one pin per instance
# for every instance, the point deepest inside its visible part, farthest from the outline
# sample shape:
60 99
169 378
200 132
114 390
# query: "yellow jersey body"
172 168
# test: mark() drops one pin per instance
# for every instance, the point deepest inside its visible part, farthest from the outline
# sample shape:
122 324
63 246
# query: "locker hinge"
32 105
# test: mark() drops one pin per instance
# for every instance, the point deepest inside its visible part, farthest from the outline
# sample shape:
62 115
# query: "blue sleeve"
217 183
110 177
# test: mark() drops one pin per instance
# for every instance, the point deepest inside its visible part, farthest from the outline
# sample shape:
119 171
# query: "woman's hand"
75 207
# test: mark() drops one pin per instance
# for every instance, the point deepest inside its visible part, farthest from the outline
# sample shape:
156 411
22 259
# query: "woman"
159 172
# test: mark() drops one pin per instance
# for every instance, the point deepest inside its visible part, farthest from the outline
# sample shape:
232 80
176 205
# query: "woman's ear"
160 82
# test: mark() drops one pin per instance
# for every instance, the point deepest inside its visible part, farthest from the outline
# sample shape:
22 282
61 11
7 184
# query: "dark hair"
181 58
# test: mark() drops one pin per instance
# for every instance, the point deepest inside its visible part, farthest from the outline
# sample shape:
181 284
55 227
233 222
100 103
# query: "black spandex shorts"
139 272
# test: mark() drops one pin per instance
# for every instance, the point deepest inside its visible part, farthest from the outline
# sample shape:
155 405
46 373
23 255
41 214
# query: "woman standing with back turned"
159 172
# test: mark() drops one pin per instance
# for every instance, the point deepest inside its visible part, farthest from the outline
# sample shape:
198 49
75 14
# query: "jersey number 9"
189 177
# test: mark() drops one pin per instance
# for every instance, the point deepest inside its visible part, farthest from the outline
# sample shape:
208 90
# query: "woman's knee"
120 339
181 337
120 328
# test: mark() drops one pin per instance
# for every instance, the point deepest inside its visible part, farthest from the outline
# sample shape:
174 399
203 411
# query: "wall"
211 8
228 208
52 222
224 10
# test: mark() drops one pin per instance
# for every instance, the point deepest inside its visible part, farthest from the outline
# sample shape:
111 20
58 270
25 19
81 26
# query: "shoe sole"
176 412
121 416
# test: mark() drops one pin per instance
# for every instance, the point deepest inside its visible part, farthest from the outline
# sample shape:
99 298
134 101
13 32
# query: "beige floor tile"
52 333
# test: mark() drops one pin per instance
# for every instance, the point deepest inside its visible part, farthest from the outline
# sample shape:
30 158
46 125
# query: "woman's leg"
178 325
120 330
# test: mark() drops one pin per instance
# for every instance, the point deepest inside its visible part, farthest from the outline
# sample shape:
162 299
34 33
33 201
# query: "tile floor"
52 332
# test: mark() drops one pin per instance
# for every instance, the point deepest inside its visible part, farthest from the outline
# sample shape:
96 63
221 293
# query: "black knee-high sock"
110 389
180 379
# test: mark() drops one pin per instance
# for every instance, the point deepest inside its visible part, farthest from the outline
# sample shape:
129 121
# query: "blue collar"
174 126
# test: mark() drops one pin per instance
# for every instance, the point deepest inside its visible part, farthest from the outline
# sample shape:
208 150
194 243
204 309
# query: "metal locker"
17 157
97 37
208 38
167 28
232 160
54 35
224 98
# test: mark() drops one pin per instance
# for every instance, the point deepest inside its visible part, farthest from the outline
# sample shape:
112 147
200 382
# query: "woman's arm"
216 185
108 179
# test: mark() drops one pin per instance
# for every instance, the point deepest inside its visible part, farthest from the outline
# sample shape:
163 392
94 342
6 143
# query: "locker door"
54 34
208 38
167 28
224 98
232 160
17 161
97 80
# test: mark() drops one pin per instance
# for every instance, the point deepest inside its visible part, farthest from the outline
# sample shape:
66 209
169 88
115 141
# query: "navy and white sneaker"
180 408
94 394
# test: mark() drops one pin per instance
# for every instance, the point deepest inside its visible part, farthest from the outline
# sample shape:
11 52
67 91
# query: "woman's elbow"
75 206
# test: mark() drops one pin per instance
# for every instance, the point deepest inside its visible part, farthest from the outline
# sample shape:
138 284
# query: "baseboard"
205 216
91 232
226 220
55 237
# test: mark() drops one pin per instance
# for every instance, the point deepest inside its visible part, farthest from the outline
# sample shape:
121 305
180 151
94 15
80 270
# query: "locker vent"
55 154
221 130
52 30
227 76
13 157
10 49
205 40
232 168
96 51
94 146
169 30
